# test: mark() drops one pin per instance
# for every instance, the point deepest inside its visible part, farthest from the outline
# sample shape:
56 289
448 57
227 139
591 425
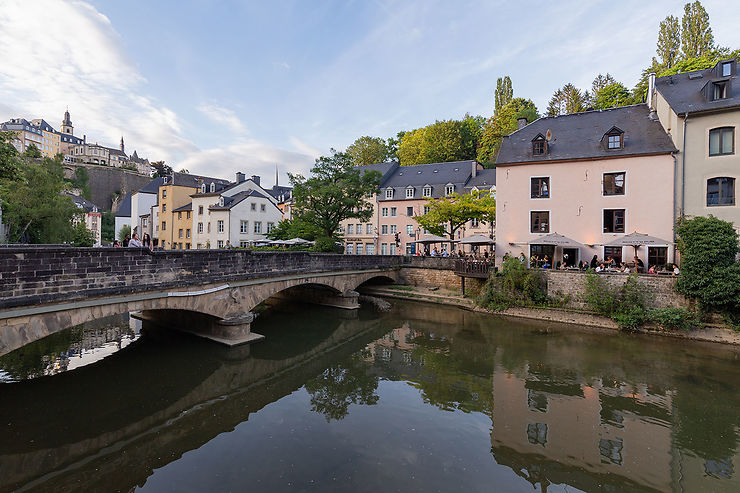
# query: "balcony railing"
472 268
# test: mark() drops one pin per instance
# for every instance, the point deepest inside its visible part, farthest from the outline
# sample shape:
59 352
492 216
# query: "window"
358 249
539 145
208 227
220 226
657 256
200 210
539 221
726 69
164 194
220 242
368 229
722 141
369 249
164 226
614 141
187 233
720 191
213 187
244 227
349 249
384 249
179 215
410 229
537 433
221 201
613 252
613 220
257 227
188 214
143 222
187 245
200 227
179 233
389 193
614 183
358 228
611 450
384 212
410 193
410 211
540 188
262 207
427 191
350 229
203 188
394 229
393 212
384 229
164 207
449 189
270 227
243 244
426 209
474 223
719 90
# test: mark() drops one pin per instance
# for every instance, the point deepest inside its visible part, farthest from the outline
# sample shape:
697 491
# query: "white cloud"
305 148
223 115
58 54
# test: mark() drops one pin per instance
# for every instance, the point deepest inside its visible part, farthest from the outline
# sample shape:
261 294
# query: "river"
421 398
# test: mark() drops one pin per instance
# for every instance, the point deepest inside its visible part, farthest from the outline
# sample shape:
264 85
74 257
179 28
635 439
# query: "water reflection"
422 398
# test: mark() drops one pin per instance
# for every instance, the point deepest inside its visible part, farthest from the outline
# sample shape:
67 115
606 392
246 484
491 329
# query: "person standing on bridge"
134 242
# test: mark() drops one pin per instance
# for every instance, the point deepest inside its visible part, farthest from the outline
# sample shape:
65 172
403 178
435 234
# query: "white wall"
121 222
243 212
141 203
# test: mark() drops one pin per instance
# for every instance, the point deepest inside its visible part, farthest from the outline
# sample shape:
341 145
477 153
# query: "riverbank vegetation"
515 285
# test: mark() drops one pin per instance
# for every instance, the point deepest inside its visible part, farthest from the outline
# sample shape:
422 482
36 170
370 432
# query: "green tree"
709 270
393 145
80 181
160 169
503 94
601 81
442 141
34 208
448 214
336 191
108 227
124 232
293 228
368 150
612 96
566 100
81 236
669 41
696 34
32 152
9 163
502 124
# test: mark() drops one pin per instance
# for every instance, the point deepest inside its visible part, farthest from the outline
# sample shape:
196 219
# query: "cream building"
701 112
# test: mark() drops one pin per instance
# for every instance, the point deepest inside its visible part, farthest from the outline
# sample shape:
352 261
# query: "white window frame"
388 193
258 227
384 229
426 191
384 212
410 192
244 227
220 225
449 189
549 218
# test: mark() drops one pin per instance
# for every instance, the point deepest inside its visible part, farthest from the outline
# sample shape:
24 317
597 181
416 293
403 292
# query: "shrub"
515 285
674 318
625 305
83 237
326 244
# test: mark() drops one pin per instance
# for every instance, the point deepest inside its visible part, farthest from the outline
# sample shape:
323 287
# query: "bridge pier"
232 330
348 299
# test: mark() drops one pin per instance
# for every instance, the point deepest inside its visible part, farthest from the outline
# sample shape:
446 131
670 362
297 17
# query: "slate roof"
279 190
152 186
437 175
193 181
686 92
84 204
125 209
186 207
581 135
484 179
230 202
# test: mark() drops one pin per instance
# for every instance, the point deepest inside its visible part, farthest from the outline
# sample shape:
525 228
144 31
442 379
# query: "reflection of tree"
38 358
345 383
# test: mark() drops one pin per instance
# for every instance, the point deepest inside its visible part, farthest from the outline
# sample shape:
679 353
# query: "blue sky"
222 86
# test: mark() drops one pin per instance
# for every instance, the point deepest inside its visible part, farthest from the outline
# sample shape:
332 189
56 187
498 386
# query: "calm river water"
422 398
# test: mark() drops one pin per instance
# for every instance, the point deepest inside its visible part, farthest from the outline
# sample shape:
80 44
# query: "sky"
216 86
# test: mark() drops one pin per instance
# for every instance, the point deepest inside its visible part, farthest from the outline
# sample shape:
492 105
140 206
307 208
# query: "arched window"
449 189
720 191
203 188
213 187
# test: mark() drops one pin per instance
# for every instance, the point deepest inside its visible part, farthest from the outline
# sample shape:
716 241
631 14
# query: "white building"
142 202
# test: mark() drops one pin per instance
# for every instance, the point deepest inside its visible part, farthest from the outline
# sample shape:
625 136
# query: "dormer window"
726 69
539 145
719 90
213 187
614 139
389 193
410 193
449 189
221 201
203 188
426 191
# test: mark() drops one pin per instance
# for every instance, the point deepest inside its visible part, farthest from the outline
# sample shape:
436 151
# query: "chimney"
474 171
84 139
521 123
240 177
651 89
256 179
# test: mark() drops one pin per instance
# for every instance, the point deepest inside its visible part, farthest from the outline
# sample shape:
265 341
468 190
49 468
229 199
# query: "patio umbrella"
557 240
296 241
434 239
637 240
477 240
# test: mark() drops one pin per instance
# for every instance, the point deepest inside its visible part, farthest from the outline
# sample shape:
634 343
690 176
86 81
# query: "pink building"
403 196
591 177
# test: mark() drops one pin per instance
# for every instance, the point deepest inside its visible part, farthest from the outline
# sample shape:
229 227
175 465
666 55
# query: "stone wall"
105 181
660 288
429 271
32 275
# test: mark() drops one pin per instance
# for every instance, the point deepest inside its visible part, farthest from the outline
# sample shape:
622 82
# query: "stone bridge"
212 293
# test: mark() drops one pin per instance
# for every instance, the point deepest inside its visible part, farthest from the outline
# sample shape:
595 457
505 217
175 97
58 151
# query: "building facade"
591 177
91 216
700 110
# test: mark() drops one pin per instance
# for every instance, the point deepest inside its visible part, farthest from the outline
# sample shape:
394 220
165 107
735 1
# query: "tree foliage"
447 214
81 236
602 81
80 181
669 41
160 169
503 94
566 100
33 152
710 272
124 232
293 228
612 96
442 141
368 150
336 191
501 125
107 227
696 35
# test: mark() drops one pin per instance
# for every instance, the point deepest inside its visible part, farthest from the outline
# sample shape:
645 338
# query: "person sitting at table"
652 270
546 263
601 267
639 265
624 268
534 261
676 270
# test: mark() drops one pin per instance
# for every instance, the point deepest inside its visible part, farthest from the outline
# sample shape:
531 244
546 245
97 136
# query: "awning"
296 241
434 239
557 240
477 240
637 240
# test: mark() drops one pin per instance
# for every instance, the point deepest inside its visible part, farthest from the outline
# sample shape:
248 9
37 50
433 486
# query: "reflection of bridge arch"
227 304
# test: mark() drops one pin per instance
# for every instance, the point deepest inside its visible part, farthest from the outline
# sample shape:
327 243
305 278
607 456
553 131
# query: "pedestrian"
116 244
126 240
146 242
228 245
134 242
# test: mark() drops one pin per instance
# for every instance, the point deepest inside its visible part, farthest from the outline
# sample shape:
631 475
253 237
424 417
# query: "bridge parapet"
36 275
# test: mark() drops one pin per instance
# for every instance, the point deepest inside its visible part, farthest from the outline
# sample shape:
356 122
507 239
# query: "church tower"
67 127
122 145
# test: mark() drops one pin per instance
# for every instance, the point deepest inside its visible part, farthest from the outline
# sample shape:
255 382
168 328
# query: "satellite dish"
548 135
